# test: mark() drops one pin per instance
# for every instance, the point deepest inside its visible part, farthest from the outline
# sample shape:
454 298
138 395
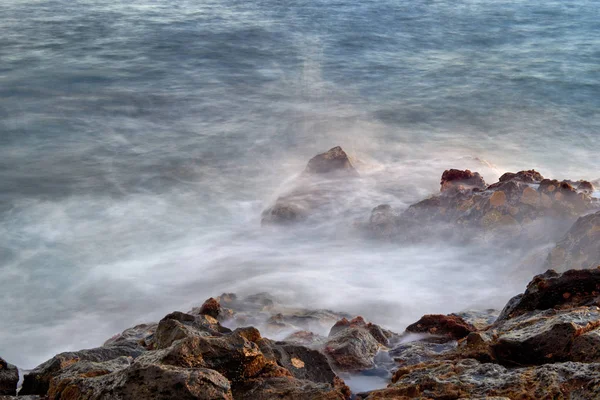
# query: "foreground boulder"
317 188
545 344
9 377
190 356
580 247
37 382
352 345
470 379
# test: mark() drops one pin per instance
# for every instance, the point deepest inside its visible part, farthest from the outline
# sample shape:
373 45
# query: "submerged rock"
317 188
333 161
580 247
9 377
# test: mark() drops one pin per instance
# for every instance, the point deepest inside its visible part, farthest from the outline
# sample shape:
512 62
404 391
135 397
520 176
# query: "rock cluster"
512 203
544 345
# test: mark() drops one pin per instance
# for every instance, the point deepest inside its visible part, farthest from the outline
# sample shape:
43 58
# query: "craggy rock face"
580 248
316 188
38 380
333 161
192 357
455 179
471 379
510 205
451 327
9 377
551 290
544 345
352 345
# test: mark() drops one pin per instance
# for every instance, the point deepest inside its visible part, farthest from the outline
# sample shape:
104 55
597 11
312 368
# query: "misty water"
140 141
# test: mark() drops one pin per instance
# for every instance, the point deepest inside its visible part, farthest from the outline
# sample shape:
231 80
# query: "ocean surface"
140 140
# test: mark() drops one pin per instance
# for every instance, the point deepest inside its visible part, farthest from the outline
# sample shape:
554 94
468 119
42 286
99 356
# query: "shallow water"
140 141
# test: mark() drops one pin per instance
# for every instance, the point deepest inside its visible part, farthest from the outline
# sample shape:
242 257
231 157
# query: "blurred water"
140 140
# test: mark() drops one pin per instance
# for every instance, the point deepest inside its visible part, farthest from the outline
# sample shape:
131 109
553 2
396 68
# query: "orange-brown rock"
452 327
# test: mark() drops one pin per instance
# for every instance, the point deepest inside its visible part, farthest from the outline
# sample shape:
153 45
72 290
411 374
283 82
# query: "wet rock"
142 334
470 379
580 247
507 208
451 327
178 325
334 160
420 351
352 345
383 221
571 289
531 176
305 338
9 377
480 319
454 179
319 188
147 382
290 388
211 307
37 381
543 337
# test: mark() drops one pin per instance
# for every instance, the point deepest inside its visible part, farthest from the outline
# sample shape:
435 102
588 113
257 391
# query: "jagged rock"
318 187
352 345
420 351
305 338
37 381
454 179
292 389
211 307
470 379
146 382
142 334
334 160
571 289
542 337
580 248
178 325
9 377
508 206
480 319
451 327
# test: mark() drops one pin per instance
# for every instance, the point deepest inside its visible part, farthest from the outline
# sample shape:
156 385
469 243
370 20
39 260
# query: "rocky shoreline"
544 344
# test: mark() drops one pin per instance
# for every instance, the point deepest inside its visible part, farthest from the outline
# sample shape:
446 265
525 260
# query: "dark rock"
147 382
142 334
506 208
420 351
37 381
470 379
320 188
211 307
580 247
293 389
334 160
451 327
531 176
352 345
178 325
571 289
454 179
9 377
